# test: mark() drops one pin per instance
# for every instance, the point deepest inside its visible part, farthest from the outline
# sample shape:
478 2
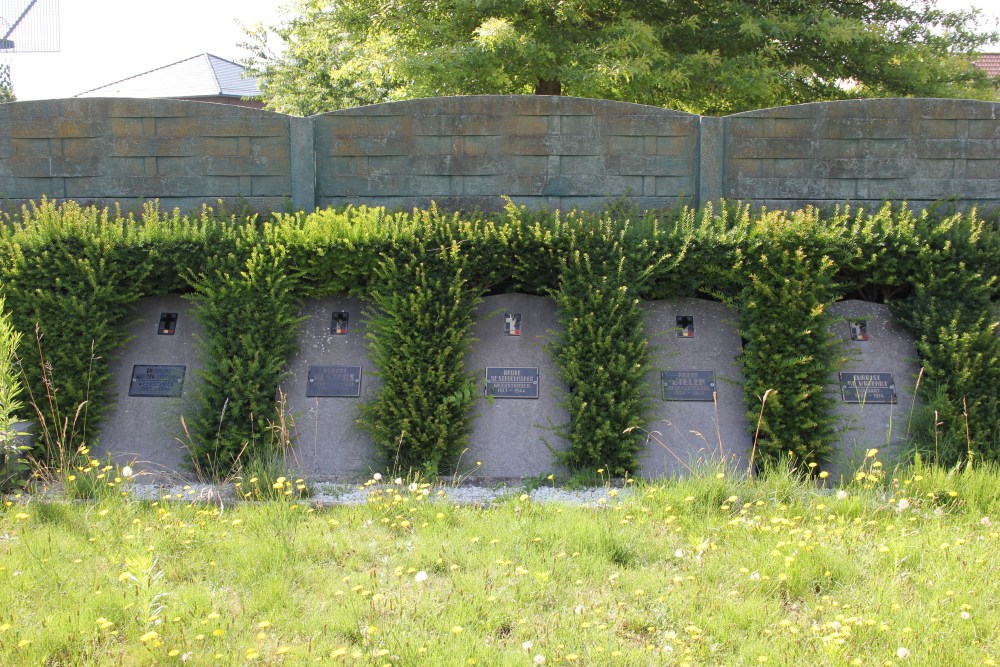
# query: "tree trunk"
548 87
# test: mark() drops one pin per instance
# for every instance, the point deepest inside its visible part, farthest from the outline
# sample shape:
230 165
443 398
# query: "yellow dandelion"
149 636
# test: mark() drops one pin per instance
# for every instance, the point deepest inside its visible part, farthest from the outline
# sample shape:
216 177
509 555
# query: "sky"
102 41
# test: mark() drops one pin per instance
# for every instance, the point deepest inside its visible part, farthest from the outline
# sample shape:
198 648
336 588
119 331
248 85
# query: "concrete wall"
104 150
864 151
470 152
464 152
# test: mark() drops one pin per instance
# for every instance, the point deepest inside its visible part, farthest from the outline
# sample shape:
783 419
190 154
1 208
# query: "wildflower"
539 660
149 636
378 478
527 645
965 615
679 553
902 504
127 472
841 494
870 454
398 481
456 629
824 475
412 487
420 576
902 653
985 521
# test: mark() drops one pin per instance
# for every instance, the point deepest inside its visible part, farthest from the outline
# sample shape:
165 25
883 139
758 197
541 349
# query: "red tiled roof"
989 62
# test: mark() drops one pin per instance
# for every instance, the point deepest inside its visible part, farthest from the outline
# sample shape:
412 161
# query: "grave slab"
328 378
153 382
882 368
696 388
511 434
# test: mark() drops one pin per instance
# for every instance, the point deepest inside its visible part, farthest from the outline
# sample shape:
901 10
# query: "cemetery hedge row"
70 273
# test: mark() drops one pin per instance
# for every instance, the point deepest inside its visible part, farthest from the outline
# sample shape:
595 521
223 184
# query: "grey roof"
203 75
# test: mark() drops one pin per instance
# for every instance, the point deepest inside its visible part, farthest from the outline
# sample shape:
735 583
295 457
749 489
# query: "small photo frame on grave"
685 326
338 323
168 324
512 324
859 330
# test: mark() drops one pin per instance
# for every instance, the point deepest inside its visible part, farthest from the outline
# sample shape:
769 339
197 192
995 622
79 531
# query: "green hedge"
74 272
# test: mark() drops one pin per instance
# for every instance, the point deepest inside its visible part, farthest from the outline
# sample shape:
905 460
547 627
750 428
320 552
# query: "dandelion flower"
824 475
149 636
412 487
456 629
527 645
902 653
420 576
539 660
127 472
378 478
398 481
965 615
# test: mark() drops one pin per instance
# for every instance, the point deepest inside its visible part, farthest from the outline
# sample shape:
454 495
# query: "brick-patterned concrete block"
20 187
269 186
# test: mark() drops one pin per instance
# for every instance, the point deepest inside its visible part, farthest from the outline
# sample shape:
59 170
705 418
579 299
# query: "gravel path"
330 494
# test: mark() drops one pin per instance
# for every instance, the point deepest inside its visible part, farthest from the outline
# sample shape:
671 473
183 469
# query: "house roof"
989 62
203 75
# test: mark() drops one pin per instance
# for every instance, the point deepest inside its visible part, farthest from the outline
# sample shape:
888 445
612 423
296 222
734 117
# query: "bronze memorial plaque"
688 385
334 381
157 381
512 382
868 388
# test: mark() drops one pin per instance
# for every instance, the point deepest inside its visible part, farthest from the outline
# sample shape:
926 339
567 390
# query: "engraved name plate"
334 381
157 381
688 385
868 388
512 382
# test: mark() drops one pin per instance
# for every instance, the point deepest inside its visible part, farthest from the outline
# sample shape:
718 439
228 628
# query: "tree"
703 56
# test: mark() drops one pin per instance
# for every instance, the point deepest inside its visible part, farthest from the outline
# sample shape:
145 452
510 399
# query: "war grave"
328 378
519 389
697 413
153 382
875 388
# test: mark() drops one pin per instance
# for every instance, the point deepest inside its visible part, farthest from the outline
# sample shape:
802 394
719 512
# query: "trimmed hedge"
74 271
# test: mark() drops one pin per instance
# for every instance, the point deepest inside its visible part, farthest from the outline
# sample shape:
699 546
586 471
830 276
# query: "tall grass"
714 568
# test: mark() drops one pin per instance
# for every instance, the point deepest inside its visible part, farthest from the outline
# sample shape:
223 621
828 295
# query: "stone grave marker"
697 412
874 390
153 380
328 378
513 366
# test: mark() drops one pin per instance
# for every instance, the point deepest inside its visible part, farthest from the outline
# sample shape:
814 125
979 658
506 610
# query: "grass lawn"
712 570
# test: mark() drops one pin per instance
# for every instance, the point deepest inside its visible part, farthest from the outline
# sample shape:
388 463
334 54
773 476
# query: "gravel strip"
332 494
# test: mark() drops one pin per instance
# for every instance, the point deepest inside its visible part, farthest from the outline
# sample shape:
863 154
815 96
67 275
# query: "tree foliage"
714 57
